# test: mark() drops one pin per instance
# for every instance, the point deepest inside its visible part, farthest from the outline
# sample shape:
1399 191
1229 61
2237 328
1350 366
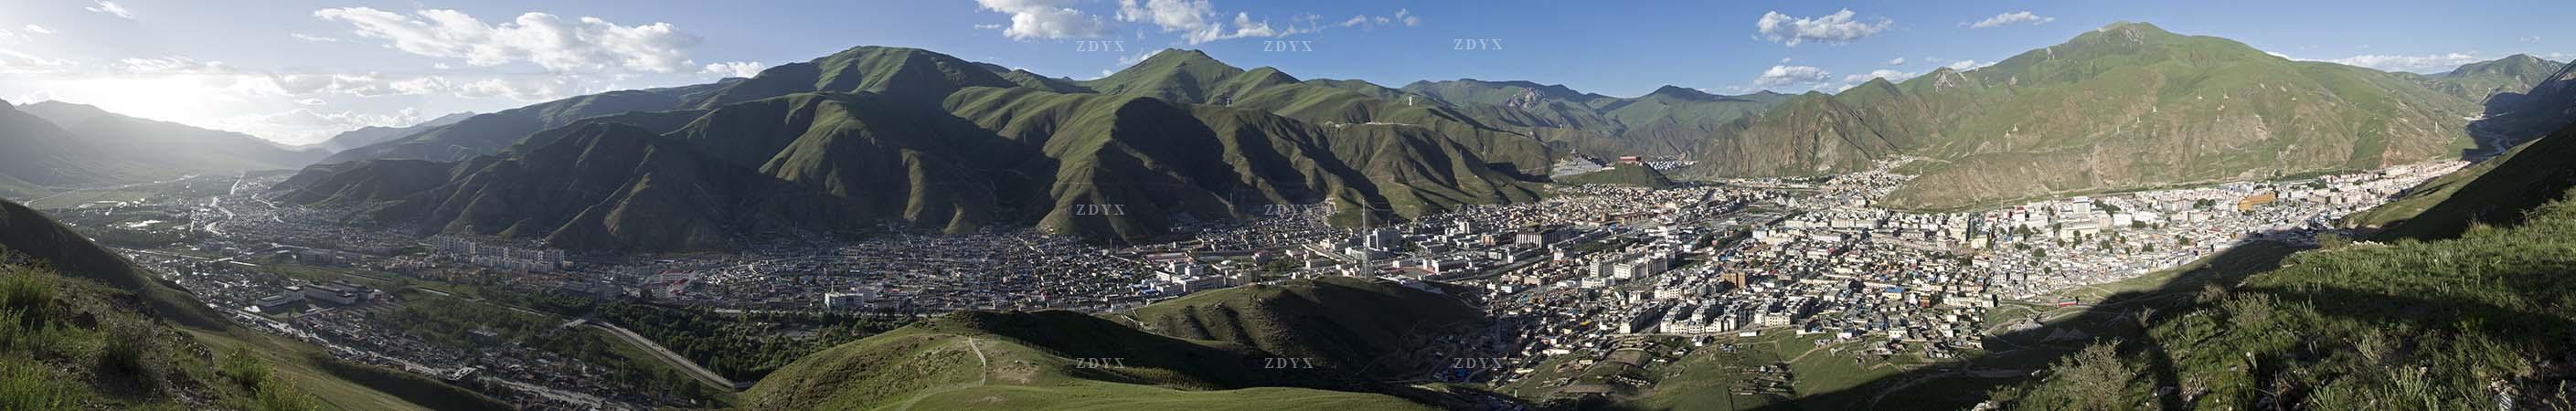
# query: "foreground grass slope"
2468 323
1299 345
112 337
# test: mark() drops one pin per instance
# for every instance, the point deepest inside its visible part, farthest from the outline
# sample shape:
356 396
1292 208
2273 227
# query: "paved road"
672 358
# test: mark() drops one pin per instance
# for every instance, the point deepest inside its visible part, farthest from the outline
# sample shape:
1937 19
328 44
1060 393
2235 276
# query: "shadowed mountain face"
56 144
2512 119
1292 345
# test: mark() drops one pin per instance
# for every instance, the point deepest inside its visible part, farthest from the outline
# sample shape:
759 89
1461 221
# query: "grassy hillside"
490 133
2492 192
1624 174
93 330
1067 360
2474 322
1341 322
2511 74
2125 106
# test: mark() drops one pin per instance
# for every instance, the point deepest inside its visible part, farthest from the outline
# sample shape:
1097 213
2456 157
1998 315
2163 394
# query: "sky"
299 71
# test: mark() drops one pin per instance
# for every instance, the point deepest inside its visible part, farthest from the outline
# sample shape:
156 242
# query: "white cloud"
1045 19
993 26
1899 61
1890 75
583 44
735 68
1198 21
169 64
2420 63
110 7
1965 65
314 38
1786 75
1834 28
2017 17
2532 39
1364 22
15 62
31 28
1784 60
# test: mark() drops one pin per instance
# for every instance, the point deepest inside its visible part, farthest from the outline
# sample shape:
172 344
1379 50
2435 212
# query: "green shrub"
244 368
28 387
275 394
133 348
29 292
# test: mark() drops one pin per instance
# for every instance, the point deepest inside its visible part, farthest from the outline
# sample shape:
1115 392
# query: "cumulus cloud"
314 38
1834 28
1045 19
31 28
1198 21
1899 61
1965 65
1364 22
2427 63
735 68
2017 17
584 44
1890 75
110 7
1779 76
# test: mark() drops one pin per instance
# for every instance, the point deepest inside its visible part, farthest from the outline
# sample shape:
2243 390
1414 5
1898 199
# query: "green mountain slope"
2493 192
43 154
906 75
2122 107
1191 77
1340 322
987 156
111 336
490 133
370 135
1067 360
2511 74
601 187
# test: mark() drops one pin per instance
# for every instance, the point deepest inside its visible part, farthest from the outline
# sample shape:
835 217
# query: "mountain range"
370 135
878 134
55 145
934 142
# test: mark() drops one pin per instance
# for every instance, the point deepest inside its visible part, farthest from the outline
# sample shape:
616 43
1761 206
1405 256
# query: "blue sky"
298 70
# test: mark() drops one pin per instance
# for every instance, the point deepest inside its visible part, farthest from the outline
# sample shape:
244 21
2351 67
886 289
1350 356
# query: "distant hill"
2499 190
62 145
1249 348
370 135
1669 121
2126 106
1622 174
179 353
2511 74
